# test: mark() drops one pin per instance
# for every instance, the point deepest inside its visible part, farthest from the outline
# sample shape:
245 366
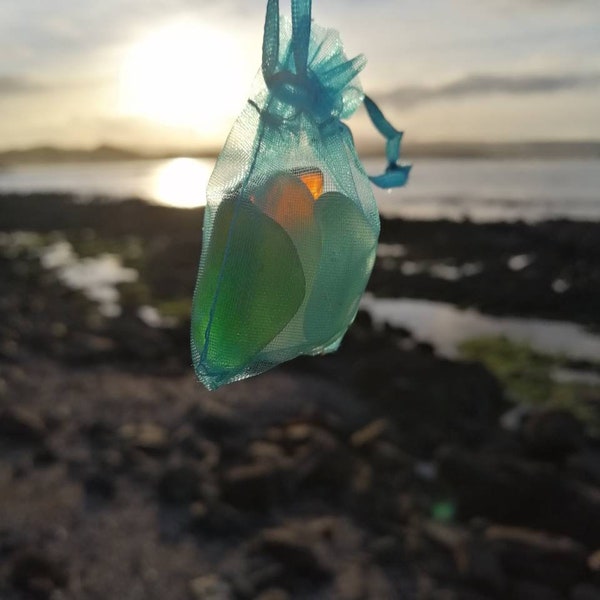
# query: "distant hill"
51 154
505 150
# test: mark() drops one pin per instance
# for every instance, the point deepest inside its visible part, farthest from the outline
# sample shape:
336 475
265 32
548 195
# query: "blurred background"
449 450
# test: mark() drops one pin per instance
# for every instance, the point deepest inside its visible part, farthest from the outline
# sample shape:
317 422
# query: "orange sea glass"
312 178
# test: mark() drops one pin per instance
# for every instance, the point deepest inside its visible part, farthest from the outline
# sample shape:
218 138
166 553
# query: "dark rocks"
314 549
182 483
274 594
21 425
586 465
100 485
369 434
148 437
529 590
210 587
324 461
37 574
196 446
320 557
537 556
585 591
215 421
512 490
482 567
553 434
253 486
560 246
87 348
295 552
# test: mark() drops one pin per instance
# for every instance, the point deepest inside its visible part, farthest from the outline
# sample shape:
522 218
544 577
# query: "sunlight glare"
181 182
185 75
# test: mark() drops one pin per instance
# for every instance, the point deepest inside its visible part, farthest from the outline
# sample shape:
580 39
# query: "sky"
171 74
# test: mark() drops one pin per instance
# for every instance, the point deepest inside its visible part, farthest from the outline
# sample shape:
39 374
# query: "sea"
477 189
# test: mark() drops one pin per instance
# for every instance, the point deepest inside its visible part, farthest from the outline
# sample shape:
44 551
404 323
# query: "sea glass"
344 269
312 178
252 286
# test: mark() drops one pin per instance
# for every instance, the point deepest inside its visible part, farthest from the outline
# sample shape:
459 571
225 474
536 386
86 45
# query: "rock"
473 557
45 455
387 456
508 489
553 434
101 434
268 452
351 582
482 567
38 574
537 556
324 462
148 437
210 587
369 434
21 425
135 341
142 466
215 420
216 519
274 594
85 348
254 486
594 561
180 484
586 465
451 537
310 550
527 590
193 444
385 549
298 553
100 485
585 591
298 433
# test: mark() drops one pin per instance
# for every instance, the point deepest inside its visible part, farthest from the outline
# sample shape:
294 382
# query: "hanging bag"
291 224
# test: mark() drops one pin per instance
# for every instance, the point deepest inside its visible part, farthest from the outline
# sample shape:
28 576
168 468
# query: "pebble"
38 574
210 587
22 425
148 437
180 484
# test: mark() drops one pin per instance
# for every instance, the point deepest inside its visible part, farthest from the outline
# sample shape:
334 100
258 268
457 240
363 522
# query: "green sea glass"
251 288
344 269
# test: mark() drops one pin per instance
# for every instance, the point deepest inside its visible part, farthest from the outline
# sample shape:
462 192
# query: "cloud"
19 85
23 85
482 85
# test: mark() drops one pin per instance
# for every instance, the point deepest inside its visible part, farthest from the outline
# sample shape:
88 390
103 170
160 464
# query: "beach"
391 469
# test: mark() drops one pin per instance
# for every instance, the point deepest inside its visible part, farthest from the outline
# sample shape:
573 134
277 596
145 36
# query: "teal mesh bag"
291 225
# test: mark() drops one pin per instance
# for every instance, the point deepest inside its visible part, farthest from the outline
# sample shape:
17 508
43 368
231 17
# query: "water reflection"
97 277
446 326
181 182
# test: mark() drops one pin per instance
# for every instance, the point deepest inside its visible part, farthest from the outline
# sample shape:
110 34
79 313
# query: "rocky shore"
381 472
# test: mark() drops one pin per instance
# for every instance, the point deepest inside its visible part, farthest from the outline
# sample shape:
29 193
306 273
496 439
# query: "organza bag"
291 225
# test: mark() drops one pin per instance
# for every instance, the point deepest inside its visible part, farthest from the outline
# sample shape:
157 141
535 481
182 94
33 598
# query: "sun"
184 74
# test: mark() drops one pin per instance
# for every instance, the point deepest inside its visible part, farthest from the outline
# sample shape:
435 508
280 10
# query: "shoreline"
548 270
